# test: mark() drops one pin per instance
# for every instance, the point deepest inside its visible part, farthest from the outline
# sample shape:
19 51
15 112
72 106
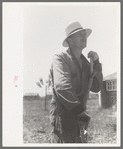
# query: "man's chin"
84 46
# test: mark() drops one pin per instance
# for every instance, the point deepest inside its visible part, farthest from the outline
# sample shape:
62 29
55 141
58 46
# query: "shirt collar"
71 55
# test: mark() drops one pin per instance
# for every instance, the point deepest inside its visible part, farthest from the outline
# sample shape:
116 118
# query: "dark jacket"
68 80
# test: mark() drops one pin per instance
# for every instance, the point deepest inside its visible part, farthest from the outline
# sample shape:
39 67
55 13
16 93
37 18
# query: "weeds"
37 128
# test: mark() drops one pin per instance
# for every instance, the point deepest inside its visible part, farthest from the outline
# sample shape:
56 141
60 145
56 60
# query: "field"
36 126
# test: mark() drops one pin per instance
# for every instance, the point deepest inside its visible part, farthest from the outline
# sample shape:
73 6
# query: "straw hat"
72 29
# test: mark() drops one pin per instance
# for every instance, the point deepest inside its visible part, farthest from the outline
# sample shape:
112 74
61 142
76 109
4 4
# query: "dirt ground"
36 124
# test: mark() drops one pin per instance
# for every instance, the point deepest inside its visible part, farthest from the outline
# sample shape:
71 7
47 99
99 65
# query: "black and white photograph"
61 74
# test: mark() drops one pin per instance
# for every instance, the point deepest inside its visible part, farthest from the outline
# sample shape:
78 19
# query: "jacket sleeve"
63 86
98 78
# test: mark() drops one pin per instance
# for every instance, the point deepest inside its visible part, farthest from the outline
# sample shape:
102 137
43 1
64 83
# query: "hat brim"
88 32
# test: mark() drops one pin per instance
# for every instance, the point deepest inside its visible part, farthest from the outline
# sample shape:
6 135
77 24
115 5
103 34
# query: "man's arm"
97 67
98 78
63 86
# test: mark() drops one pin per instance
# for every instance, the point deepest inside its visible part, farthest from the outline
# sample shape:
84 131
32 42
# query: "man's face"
79 39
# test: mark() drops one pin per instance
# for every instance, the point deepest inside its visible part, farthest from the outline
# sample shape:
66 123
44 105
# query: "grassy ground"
36 126
102 127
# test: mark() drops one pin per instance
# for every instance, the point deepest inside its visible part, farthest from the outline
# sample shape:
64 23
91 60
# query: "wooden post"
45 97
99 99
91 61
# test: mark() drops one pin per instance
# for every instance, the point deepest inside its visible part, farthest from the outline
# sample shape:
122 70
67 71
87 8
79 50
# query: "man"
70 73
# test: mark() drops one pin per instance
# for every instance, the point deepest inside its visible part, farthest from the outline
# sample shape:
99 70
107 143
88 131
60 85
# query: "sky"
43 28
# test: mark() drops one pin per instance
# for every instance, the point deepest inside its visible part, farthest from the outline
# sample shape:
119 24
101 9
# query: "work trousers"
65 129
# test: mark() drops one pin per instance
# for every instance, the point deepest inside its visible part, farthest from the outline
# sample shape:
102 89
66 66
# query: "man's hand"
84 117
94 55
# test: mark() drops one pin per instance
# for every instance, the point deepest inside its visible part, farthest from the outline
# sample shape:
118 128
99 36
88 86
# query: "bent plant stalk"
83 126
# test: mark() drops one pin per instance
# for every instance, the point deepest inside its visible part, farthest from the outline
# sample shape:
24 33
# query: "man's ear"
69 40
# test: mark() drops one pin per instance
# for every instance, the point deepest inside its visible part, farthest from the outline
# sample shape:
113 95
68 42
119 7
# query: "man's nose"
84 38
